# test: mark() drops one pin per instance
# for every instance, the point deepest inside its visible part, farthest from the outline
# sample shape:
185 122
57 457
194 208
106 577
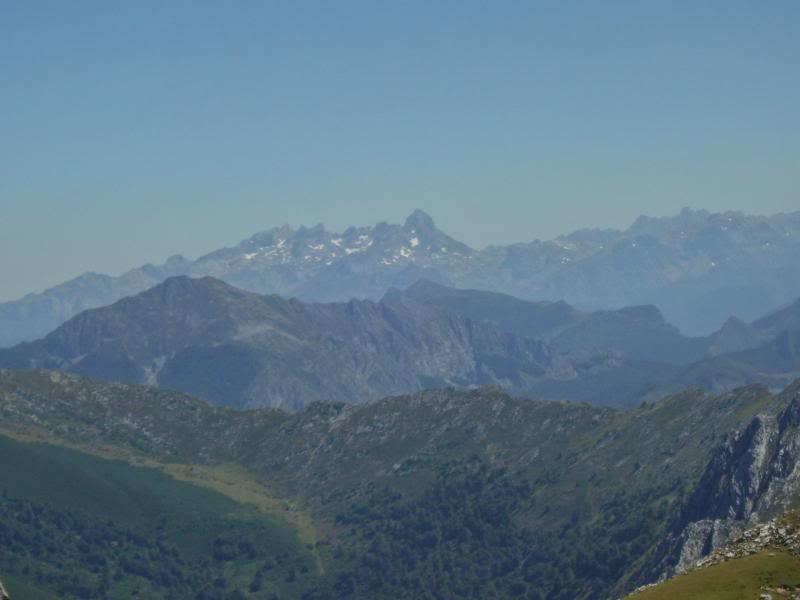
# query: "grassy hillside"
74 525
742 578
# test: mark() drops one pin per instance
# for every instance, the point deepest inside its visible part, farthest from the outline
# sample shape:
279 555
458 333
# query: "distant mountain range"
698 268
238 348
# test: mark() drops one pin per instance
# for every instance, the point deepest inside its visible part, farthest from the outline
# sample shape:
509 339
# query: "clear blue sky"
130 131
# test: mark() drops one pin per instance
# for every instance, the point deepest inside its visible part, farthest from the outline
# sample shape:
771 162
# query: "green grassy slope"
738 579
74 525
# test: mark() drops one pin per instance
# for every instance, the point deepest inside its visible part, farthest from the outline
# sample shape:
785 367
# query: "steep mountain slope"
698 268
235 347
753 475
443 493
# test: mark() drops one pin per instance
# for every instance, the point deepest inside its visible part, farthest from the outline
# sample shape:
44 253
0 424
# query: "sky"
131 131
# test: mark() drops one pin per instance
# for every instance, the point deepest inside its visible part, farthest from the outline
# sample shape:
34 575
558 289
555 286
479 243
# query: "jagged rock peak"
420 221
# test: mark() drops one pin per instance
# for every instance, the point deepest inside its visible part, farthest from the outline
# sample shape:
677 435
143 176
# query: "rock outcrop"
753 475
781 534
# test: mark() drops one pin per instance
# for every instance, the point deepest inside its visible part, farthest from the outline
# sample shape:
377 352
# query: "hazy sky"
130 131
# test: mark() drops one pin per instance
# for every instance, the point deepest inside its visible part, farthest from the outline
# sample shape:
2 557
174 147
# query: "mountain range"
237 348
699 268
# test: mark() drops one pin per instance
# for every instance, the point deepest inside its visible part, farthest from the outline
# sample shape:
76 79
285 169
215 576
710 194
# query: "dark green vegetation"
75 525
443 494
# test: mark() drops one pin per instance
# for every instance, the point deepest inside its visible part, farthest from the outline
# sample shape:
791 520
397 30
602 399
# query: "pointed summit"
420 221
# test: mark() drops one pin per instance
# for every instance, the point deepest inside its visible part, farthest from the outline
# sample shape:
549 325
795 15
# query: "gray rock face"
780 532
698 268
752 476
699 539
